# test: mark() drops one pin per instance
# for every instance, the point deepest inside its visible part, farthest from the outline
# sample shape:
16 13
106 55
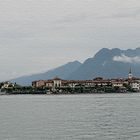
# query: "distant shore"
65 93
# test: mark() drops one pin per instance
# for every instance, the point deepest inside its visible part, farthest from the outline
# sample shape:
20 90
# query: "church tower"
130 76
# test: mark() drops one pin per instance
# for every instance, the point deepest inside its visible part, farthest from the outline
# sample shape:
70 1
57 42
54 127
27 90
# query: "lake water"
70 117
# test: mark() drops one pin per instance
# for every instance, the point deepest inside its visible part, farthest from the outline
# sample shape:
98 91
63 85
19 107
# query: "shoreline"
56 94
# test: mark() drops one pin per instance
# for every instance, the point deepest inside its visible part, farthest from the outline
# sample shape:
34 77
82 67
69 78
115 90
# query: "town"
60 86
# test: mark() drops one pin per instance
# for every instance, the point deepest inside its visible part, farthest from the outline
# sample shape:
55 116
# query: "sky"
38 35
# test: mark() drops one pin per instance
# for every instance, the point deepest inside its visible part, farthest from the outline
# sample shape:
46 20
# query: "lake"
70 117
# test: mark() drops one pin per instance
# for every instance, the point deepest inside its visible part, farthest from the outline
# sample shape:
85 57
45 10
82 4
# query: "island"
61 86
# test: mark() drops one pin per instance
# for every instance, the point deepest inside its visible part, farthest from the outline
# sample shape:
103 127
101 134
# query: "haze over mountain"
107 63
63 71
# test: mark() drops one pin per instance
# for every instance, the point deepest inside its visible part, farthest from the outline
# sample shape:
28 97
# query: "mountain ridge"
62 71
103 64
106 63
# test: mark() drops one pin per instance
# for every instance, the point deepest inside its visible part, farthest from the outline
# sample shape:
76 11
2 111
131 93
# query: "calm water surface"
70 117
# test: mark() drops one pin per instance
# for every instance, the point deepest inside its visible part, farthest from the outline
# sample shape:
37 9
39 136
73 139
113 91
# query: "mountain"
62 71
109 63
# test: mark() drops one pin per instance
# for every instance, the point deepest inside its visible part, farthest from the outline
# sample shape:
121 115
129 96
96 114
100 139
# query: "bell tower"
130 76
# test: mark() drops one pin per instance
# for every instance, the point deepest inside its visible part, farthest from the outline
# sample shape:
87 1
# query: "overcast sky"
37 35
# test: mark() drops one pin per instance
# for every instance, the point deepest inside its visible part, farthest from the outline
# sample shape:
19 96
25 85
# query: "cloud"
126 59
129 12
38 35
124 13
72 18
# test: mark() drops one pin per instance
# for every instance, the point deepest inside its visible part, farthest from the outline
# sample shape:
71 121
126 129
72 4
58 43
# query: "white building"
135 84
7 85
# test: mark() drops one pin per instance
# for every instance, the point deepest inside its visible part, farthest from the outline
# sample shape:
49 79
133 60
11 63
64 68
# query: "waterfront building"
53 83
49 84
133 81
7 84
118 84
59 83
134 84
38 84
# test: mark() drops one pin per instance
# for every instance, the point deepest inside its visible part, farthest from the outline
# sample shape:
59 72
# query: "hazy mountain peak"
74 62
109 63
63 72
138 48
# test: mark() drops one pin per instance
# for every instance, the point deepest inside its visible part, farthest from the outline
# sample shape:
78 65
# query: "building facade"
120 83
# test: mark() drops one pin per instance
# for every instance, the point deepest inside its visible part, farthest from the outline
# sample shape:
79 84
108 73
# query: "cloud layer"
38 35
126 59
